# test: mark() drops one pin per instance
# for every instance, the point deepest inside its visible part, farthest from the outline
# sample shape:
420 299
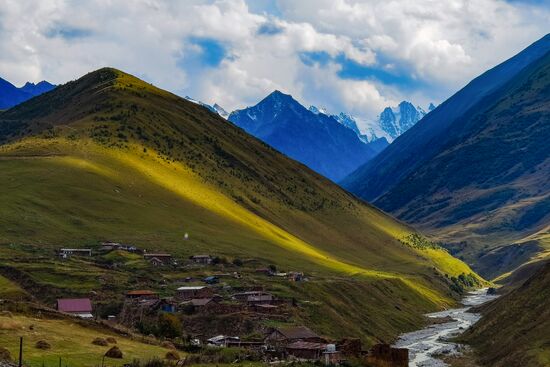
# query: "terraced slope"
112 157
482 185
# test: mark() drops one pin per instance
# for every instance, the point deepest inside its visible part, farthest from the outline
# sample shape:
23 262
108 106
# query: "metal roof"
78 305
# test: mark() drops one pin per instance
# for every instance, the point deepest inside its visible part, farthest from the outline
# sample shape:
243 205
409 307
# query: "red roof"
78 305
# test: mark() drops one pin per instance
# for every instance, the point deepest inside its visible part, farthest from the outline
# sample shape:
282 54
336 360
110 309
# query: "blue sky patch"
315 57
212 51
68 32
269 29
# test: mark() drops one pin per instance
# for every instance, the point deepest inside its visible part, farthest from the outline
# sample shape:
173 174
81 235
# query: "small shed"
68 252
222 340
306 350
292 334
192 292
201 259
159 259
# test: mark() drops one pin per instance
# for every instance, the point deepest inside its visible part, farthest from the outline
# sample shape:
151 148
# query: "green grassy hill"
110 157
514 328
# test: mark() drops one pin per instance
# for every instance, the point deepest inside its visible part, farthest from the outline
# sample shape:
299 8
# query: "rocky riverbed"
426 344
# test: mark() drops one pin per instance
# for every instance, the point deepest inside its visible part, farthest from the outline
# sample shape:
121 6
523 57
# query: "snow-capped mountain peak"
318 110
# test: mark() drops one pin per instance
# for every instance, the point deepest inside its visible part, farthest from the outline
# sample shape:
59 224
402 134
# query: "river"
424 344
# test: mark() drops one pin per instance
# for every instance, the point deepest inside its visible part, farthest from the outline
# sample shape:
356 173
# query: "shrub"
169 326
238 262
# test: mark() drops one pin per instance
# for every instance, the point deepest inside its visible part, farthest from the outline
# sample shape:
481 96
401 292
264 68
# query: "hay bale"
111 340
100 341
172 356
42 344
114 352
5 354
168 345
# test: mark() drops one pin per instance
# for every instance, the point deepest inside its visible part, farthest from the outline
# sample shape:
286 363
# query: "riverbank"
426 345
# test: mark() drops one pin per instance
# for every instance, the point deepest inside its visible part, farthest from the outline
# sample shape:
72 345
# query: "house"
168 305
292 334
306 350
159 259
251 295
201 259
262 299
199 303
68 252
222 340
80 307
381 355
142 294
193 292
263 308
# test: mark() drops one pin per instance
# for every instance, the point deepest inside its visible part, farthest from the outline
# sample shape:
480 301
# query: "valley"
142 228
144 167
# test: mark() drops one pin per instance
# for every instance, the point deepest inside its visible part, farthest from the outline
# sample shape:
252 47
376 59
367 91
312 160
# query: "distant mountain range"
10 95
315 139
312 137
476 171
391 123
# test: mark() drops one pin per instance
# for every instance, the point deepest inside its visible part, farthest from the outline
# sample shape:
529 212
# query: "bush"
169 326
238 262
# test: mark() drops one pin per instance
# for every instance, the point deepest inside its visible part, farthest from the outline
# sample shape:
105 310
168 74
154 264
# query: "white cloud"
440 44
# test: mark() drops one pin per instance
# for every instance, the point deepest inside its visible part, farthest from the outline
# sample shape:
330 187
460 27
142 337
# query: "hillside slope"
110 157
514 328
317 140
485 184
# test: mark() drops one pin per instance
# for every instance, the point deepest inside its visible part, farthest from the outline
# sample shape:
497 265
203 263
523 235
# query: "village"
220 304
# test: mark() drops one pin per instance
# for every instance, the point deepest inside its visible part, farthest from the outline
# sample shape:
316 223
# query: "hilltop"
111 157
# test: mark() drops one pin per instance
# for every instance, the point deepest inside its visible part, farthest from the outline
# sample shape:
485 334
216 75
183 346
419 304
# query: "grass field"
69 341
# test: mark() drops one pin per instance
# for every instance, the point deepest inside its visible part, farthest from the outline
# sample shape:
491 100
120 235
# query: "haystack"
111 340
114 352
5 354
42 344
168 345
172 356
100 341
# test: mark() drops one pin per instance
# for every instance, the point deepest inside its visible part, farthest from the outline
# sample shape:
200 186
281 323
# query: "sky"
344 55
